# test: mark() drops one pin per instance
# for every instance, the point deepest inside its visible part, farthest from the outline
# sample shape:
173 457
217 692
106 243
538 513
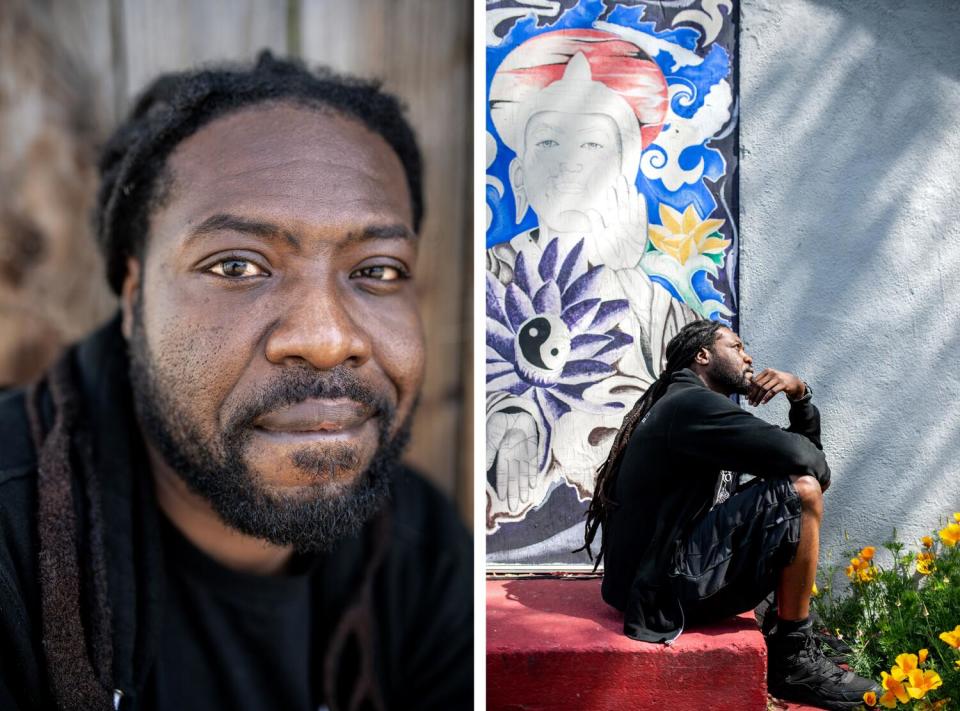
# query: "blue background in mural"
697 81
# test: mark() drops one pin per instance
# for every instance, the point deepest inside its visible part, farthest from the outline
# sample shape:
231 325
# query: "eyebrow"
545 127
232 223
268 230
370 232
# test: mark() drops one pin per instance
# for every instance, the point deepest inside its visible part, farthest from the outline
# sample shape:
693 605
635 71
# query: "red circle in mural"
621 65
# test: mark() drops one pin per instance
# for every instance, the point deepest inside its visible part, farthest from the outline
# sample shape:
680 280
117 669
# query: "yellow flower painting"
682 236
684 245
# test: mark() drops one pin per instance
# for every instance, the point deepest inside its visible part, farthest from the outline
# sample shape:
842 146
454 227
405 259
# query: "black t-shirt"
398 594
232 640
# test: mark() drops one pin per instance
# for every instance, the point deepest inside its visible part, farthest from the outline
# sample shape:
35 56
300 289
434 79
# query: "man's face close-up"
276 345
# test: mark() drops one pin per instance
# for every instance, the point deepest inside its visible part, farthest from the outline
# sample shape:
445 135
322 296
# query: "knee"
810 493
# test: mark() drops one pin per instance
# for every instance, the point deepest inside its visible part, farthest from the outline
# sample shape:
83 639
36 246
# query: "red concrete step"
554 644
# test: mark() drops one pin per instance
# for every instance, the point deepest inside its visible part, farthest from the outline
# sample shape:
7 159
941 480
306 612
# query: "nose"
571 167
320 331
747 359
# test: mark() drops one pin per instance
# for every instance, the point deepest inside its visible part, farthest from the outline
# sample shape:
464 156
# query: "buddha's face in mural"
569 164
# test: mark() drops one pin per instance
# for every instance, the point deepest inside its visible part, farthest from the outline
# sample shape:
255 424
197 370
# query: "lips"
567 187
316 415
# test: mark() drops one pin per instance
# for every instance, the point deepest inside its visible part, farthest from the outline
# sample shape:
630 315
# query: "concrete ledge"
554 644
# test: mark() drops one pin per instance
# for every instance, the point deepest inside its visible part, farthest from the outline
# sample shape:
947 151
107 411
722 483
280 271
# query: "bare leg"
797 668
796 580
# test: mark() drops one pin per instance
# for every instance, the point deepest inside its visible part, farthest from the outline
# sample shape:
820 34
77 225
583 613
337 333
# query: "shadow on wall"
851 244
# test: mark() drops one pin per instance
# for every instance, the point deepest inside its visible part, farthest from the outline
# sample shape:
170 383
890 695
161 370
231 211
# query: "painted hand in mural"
618 236
512 445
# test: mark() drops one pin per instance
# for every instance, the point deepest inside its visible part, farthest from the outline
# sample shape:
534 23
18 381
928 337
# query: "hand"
765 386
618 237
512 440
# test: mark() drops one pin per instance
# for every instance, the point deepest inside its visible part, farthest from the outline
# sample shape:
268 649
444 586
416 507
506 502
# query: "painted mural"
611 222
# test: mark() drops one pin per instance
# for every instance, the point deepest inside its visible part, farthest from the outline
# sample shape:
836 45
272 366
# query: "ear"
702 357
129 293
519 193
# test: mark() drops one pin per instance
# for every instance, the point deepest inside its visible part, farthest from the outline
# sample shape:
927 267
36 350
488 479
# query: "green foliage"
883 612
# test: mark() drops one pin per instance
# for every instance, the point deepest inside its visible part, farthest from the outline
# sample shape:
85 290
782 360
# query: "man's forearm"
805 418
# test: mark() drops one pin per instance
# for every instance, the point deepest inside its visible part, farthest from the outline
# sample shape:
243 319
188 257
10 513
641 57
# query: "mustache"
289 387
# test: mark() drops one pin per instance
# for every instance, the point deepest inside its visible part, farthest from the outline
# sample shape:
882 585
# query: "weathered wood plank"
51 285
82 31
350 37
164 35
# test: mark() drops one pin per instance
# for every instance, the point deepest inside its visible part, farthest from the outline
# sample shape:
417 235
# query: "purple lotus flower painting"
550 337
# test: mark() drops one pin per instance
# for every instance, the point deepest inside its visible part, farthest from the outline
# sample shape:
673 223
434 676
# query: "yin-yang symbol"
543 346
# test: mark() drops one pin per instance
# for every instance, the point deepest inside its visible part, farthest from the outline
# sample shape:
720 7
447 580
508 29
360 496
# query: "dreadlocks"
135 180
134 175
681 350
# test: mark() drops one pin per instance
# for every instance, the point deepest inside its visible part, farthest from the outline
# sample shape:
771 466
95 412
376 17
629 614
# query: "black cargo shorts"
732 556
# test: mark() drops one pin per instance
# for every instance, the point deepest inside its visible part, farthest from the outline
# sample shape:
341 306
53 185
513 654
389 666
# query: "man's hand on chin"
768 382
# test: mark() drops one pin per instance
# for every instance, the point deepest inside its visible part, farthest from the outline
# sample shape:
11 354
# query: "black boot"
835 649
797 670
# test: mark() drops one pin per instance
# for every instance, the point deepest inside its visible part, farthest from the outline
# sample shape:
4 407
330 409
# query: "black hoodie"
421 589
668 477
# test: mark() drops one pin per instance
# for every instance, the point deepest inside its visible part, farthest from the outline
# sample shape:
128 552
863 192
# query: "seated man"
202 506
682 545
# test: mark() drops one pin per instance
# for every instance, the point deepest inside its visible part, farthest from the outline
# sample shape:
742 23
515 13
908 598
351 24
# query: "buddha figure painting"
611 154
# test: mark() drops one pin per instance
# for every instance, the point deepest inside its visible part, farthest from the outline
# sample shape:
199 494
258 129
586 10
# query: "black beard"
729 379
216 470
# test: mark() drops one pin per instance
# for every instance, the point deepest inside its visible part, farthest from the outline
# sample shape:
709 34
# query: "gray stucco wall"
850 226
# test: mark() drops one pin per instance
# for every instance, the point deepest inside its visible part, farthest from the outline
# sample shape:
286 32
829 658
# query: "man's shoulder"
688 394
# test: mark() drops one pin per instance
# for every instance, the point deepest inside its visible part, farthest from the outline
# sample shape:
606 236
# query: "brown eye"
235 268
380 273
